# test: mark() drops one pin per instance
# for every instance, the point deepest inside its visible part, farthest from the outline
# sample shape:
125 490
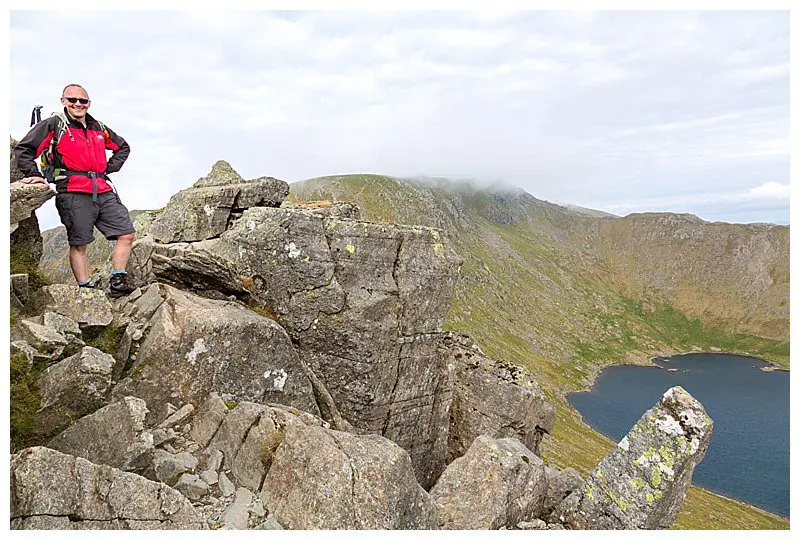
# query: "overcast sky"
622 112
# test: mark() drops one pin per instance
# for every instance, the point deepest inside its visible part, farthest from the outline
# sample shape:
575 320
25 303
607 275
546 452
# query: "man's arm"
119 151
31 146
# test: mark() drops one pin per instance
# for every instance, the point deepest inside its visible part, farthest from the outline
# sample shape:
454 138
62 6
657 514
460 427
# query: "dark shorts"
80 216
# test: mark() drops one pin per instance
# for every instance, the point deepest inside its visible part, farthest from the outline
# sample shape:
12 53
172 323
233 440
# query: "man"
85 198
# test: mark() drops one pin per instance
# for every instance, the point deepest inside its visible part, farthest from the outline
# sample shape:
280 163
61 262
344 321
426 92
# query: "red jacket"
80 150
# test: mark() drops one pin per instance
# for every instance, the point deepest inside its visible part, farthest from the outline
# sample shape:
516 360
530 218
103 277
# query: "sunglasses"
83 101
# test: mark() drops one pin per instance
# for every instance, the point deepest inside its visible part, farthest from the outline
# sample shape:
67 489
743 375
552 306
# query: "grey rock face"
25 198
494 398
195 346
560 483
208 418
61 324
50 490
497 483
325 479
191 486
89 307
74 387
168 467
185 266
642 483
44 339
19 290
114 435
235 516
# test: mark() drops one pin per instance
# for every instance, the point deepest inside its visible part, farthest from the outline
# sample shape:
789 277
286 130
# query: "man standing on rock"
86 198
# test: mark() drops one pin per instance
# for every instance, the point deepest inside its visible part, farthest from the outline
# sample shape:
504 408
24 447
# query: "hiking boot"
119 286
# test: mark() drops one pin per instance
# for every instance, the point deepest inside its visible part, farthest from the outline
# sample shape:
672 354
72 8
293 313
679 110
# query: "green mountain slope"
564 294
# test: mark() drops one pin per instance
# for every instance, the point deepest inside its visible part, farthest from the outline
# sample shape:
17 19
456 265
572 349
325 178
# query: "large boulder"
25 199
74 387
115 435
326 479
492 397
642 483
195 346
204 210
89 307
51 490
496 484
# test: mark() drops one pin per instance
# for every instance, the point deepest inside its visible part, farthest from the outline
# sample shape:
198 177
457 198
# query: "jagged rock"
195 346
186 266
225 485
209 477
335 209
642 483
51 489
19 290
208 418
61 324
248 433
560 483
114 435
257 508
73 387
44 339
236 514
169 467
177 417
25 198
191 486
497 483
494 398
89 307
221 174
31 354
215 458
204 210
326 479
161 436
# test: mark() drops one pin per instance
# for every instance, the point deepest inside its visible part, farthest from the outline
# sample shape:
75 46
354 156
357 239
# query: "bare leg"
79 263
122 250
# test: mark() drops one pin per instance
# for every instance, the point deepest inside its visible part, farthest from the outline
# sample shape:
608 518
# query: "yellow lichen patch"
650 498
668 455
588 492
657 494
351 248
655 477
437 249
636 483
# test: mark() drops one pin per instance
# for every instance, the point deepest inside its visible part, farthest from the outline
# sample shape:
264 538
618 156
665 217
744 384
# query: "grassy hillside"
545 286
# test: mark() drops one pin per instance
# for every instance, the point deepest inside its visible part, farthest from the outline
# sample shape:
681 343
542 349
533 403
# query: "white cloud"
573 107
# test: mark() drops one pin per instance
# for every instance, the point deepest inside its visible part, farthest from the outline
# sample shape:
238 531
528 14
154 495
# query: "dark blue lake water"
748 458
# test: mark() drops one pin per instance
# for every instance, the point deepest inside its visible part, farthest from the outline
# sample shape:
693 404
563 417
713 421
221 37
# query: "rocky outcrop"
115 435
51 490
193 346
496 484
74 387
325 479
25 198
204 210
88 307
643 482
493 398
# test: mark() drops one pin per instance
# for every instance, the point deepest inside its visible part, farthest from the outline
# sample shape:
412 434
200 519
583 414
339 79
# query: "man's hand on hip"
36 180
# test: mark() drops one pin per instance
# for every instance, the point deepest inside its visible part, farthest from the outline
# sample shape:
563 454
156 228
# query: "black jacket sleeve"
32 145
119 151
